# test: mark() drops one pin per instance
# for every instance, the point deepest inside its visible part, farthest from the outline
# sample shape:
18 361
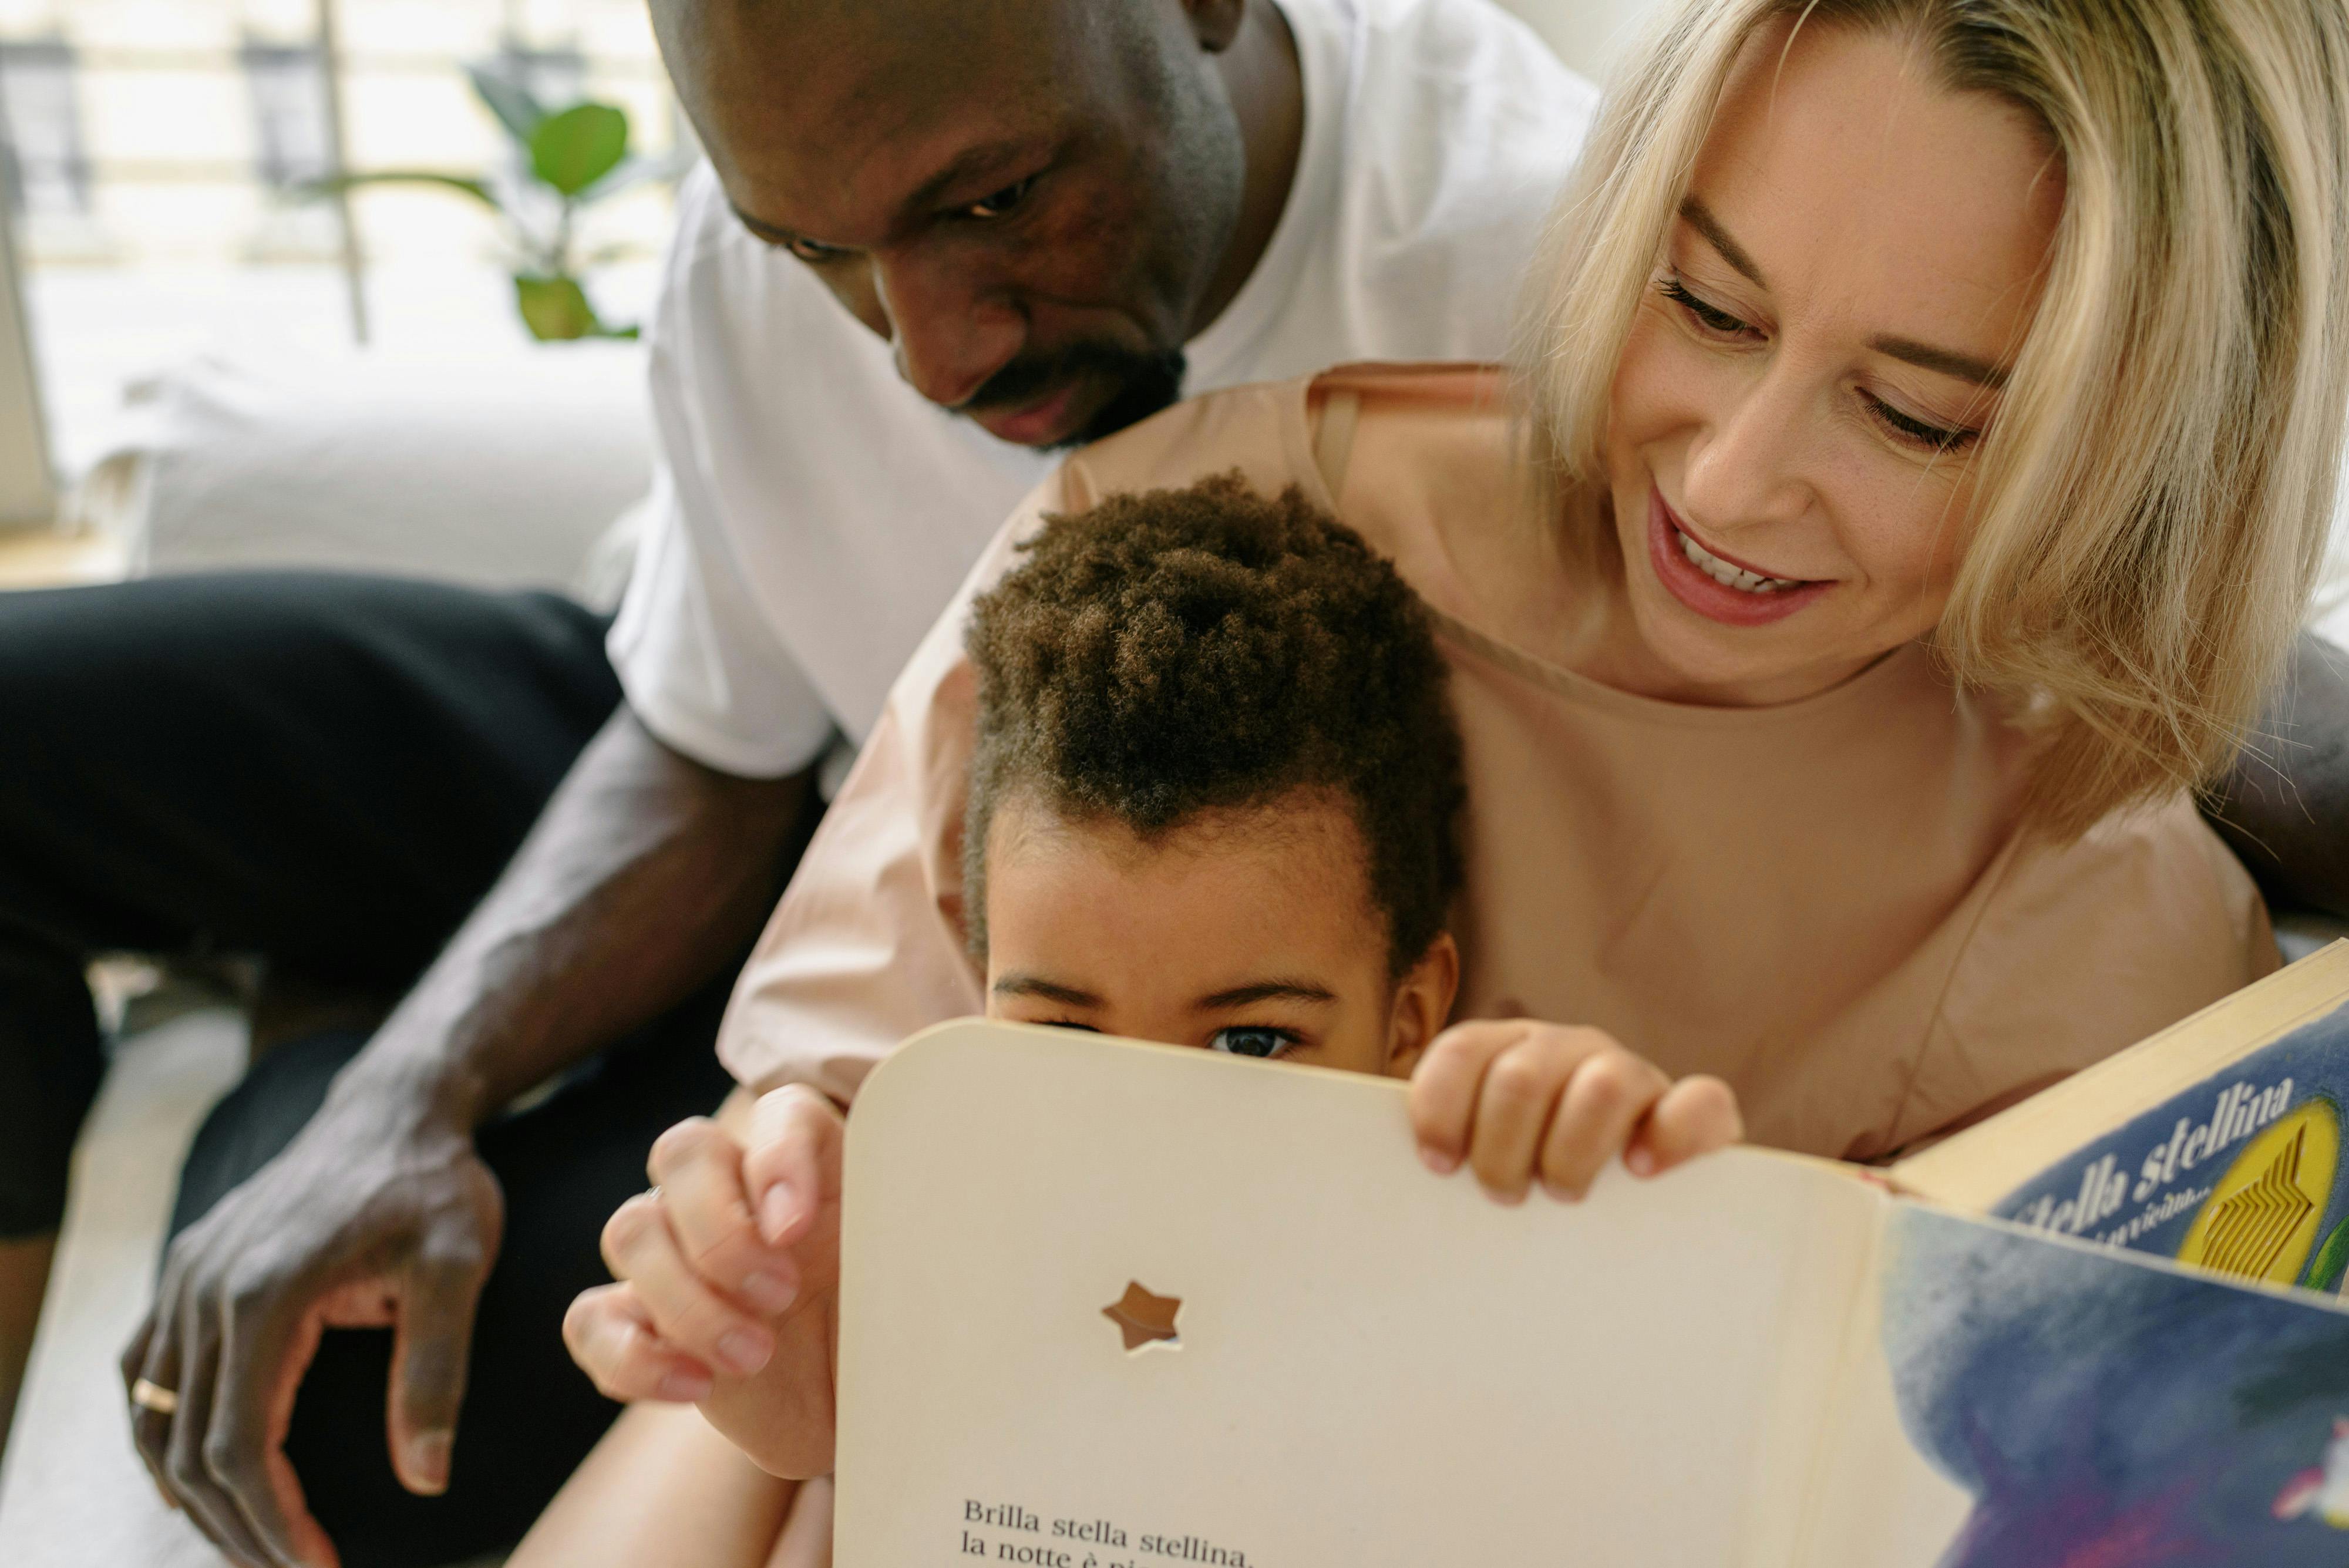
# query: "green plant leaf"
2330 1262
516 107
573 148
478 190
632 172
556 309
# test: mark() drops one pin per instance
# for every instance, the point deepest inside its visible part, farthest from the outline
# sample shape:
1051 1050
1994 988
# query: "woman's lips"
1702 592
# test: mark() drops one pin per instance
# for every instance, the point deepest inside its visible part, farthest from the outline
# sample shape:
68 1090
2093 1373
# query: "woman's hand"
729 1287
1518 1100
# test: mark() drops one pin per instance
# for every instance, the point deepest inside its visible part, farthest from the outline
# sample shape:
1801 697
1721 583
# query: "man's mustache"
1145 382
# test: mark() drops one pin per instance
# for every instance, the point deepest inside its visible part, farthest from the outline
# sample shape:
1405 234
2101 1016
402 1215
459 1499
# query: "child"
1213 803
1215 793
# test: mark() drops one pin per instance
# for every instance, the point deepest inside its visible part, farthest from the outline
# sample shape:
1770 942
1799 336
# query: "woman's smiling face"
1793 424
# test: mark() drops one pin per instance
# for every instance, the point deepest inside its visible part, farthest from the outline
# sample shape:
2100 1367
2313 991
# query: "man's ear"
1422 1005
1215 23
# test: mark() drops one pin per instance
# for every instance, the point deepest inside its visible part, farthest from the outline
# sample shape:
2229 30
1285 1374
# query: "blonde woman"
1916 474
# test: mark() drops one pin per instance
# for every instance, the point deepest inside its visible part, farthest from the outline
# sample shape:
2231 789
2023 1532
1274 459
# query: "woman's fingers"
1696 1115
1609 1091
689 1314
612 1337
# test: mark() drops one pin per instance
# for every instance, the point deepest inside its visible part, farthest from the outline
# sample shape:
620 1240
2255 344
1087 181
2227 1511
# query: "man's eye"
1002 201
1261 1043
815 253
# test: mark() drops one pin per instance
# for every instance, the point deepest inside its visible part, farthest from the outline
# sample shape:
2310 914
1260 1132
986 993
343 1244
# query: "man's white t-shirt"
814 514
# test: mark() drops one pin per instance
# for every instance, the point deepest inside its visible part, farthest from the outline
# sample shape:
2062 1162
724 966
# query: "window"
292 139
41 162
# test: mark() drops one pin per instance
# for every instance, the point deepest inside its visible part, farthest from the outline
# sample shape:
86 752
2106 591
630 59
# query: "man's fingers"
430 1348
1610 1090
149 1430
611 1338
1696 1115
792 1169
687 1313
187 1462
699 1169
1445 1088
260 1366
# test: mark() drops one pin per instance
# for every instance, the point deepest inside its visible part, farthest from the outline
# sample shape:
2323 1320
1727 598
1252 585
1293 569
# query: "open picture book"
1109 1306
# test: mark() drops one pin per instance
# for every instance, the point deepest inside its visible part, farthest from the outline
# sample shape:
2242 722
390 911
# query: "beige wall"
24 463
1586 34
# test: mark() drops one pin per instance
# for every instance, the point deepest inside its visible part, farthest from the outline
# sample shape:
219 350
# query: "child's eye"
1261 1043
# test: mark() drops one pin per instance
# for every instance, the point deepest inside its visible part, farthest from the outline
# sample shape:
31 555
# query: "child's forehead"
1303 823
1202 905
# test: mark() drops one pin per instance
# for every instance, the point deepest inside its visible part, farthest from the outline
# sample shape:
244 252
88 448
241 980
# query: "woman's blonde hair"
2152 502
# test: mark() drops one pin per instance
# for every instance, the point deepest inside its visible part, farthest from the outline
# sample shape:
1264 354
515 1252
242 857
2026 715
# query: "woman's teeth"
1729 576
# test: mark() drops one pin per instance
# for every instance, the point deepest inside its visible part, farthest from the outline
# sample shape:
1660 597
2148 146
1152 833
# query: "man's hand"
729 1282
357 1223
1520 1101
644 876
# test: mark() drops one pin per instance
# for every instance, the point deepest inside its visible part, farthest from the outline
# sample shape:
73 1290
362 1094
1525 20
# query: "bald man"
935 240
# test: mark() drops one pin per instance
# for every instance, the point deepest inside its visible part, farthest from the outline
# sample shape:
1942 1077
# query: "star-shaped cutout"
1143 1318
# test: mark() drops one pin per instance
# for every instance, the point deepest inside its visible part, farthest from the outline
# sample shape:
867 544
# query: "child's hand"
729 1279
1520 1100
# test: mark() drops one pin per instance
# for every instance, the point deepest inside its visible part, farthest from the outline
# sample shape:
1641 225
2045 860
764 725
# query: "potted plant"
569 159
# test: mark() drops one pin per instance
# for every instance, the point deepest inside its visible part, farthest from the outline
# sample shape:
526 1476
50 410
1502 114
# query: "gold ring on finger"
154 1396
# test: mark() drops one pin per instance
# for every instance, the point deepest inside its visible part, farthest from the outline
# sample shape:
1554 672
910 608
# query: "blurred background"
166 166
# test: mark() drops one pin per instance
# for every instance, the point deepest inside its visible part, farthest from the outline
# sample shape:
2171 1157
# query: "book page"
1118 1306
2090 1406
1977 1170
2238 1172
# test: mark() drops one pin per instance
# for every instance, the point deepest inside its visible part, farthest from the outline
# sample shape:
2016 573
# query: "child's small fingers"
1695 1116
613 1339
792 1166
1602 1105
1443 1089
1515 1107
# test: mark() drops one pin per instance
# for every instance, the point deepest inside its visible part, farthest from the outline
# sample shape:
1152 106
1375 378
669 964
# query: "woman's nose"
1745 465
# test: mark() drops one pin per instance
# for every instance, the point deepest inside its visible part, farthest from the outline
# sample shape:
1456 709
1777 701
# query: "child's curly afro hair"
1181 651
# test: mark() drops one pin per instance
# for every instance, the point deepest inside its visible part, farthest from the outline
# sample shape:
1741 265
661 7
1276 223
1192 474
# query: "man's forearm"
645 873
2284 805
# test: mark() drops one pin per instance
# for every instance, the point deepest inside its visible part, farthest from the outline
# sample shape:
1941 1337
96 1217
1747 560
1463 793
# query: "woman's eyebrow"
1264 991
1699 216
1017 984
1947 361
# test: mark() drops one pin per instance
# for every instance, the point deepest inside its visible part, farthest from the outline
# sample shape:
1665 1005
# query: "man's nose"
951 332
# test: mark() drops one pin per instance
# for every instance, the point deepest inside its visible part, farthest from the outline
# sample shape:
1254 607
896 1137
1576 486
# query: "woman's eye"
1261 1043
1917 432
1002 201
815 253
1710 318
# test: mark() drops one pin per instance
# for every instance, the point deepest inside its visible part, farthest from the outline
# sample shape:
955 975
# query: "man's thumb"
432 1345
